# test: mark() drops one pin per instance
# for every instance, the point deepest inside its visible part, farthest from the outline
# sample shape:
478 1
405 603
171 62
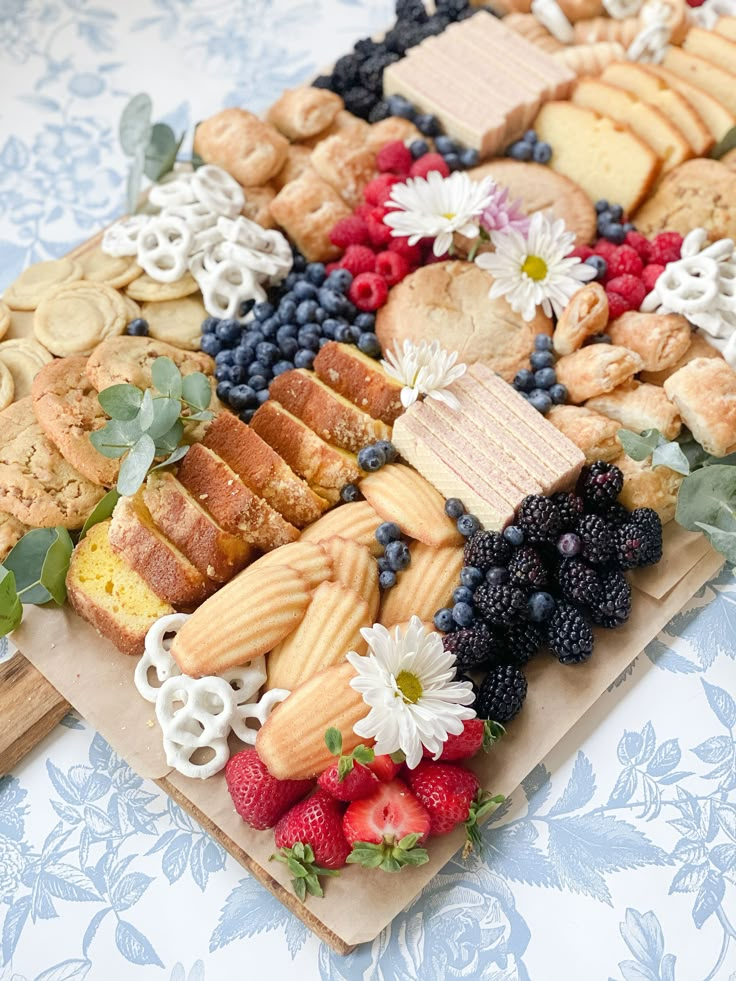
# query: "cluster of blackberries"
610 222
538 384
545 580
358 76
530 147
396 555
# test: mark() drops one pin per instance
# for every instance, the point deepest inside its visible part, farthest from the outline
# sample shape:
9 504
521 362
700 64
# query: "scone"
704 392
304 112
638 406
242 144
596 369
297 161
659 339
595 434
307 209
585 315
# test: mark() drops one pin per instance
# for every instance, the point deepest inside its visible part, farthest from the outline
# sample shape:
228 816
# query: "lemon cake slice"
715 48
714 114
716 81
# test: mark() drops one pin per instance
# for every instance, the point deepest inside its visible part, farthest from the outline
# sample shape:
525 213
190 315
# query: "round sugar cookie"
144 289
24 358
35 282
116 271
177 322
4 319
76 317
132 309
448 302
7 386
698 194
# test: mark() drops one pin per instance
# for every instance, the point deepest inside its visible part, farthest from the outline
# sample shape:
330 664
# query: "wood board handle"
30 707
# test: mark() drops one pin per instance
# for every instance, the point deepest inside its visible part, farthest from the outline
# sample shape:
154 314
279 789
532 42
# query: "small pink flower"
500 213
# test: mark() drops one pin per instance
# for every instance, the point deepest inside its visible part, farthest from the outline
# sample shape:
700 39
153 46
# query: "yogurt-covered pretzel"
195 714
122 237
218 191
156 655
173 193
163 248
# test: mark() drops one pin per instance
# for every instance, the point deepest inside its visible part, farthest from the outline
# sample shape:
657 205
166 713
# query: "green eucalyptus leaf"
160 152
166 377
708 497
203 416
116 438
165 413
133 187
39 562
196 390
56 566
134 129
693 452
145 415
638 446
102 512
11 608
169 441
173 458
121 402
723 146
135 466
671 455
722 540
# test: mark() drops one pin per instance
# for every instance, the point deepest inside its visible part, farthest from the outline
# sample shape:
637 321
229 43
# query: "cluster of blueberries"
610 224
538 384
306 311
462 612
530 147
396 555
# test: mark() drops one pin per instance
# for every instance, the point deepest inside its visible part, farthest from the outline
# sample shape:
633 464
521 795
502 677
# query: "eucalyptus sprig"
148 425
34 572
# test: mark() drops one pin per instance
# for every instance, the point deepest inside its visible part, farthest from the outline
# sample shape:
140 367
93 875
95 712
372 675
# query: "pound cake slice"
263 470
233 505
360 379
714 114
106 592
726 27
715 48
716 81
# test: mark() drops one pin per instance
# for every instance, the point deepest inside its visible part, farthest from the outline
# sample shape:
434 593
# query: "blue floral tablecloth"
616 859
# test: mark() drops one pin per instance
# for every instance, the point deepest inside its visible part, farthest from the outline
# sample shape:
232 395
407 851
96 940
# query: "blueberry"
243 355
366 321
569 544
463 594
269 328
601 205
355 333
453 161
467 524
387 532
369 344
540 607
253 337
262 396
541 359
246 415
333 303
291 280
497 575
388 449
300 263
599 264
454 507
387 579
350 493
521 150
524 380
308 339
257 382
222 373
238 374
614 233
463 614
282 366
542 152
287 311
209 344
418 148
427 124
229 331
343 334
304 358
471 577
209 326
315 273
540 400
629 226
262 311
616 212
445 145
530 136
226 356
258 368
545 378
443 620
340 280
223 390
600 339
305 311
558 394
399 106
382 563
398 555
514 535
286 331
242 397
542 342
289 346
468 157
327 328
304 291
323 341
266 352
371 458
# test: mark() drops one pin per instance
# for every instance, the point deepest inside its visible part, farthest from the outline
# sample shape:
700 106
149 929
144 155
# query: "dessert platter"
340 478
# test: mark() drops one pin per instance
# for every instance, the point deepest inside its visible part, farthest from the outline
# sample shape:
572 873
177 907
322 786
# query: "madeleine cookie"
596 369
699 347
24 358
425 587
704 391
242 144
11 532
37 485
448 302
594 434
345 166
35 282
304 112
398 493
177 322
144 289
7 386
354 567
638 406
116 271
127 361
659 339
68 410
309 559
4 319
697 194
357 521
649 487
307 209
75 318
586 314
246 618
330 628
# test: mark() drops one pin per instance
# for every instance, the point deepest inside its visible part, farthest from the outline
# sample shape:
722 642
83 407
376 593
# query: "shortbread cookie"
11 532
35 282
116 271
68 410
586 314
37 485
357 521
7 386
704 392
345 166
638 406
307 209
24 358
304 112
596 369
659 339
75 318
127 361
425 586
144 289
177 322
398 493
448 302
4 319
355 568
242 144
697 194
309 559
594 434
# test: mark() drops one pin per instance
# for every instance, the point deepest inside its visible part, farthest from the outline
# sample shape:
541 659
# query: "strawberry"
348 778
452 796
387 828
476 733
384 768
259 798
311 842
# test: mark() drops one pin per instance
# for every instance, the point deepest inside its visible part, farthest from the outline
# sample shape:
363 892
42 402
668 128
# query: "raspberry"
630 288
412 253
640 245
624 262
349 231
364 210
358 259
331 267
605 248
378 191
651 274
666 248
581 252
617 305
395 158
392 266
368 291
430 161
380 234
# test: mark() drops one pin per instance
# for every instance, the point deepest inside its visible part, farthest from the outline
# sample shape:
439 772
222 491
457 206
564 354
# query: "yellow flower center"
534 267
449 215
410 686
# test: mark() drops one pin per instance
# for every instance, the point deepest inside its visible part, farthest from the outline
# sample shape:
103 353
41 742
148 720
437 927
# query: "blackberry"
617 515
500 604
413 10
380 111
526 569
600 484
501 693
452 8
345 72
569 507
473 647
578 582
486 549
639 541
359 101
597 538
569 635
404 36
371 71
539 519
522 642
614 605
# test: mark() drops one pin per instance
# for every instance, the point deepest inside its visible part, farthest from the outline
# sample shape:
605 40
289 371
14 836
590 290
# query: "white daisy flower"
437 207
535 270
424 369
408 680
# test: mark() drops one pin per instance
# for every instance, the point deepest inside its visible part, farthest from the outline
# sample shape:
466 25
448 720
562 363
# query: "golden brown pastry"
649 487
699 348
246 147
596 369
704 391
595 434
345 165
585 315
390 129
304 112
344 124
307 209
297 161
659 339
638 406
257 205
